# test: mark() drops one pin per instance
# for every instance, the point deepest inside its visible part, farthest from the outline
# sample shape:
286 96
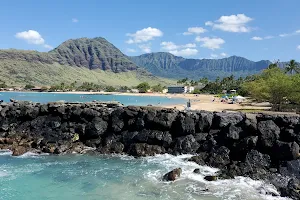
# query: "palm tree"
274 64
292 67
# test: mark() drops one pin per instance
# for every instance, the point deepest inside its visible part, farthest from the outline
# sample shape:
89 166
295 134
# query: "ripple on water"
119 177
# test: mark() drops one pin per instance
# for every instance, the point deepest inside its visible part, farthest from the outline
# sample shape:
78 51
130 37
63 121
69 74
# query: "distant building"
165 91
191 89
135 91
178 89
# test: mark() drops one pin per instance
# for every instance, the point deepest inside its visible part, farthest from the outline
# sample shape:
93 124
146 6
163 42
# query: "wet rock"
257 159
293 189
172 175
143 149
200 159
219 157
18 150
93 142
196 171
186 144
211 178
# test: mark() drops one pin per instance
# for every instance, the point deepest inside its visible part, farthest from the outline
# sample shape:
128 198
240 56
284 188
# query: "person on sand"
188 105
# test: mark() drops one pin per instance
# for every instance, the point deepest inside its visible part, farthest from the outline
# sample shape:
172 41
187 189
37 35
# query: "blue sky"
256 29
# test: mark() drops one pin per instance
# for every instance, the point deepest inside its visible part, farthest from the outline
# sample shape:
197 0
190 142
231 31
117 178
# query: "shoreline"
198 101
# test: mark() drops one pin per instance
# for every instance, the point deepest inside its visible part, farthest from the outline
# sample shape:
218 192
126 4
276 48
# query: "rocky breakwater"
261 147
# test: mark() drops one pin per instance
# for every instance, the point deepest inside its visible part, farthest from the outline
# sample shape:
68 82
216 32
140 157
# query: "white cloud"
224 54
298 47
47 46
195 30
256 38
189 45
33 37
262 38
169 46
210 43
144 35
268 37
74 20
146 48
232 23
130 50
284 35
214 55
184 52
289 34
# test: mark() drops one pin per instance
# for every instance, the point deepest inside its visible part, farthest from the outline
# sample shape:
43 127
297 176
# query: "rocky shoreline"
261 146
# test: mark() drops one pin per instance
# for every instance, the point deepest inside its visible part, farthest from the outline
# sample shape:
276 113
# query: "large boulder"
257 159
154 137
128 137
18 150
293 189
161 120
172 175
286 151
186 144
185 124
95 129
143 149
200 158
117 120
243 147
205 121
222 120
291 168
219 157
269 133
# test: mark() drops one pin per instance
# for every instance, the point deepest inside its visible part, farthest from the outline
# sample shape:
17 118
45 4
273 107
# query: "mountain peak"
93 53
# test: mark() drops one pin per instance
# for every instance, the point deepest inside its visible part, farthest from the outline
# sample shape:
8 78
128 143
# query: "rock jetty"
259 146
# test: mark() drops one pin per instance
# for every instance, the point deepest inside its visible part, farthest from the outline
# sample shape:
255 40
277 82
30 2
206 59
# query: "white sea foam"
238 188
5 152
32 155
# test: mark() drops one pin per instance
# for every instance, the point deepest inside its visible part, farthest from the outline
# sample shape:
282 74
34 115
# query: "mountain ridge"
171 66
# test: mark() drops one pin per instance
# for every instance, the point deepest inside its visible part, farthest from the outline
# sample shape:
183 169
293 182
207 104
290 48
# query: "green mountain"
82 60
170 66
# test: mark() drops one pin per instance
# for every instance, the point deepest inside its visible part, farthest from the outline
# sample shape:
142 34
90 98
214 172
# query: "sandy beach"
198 102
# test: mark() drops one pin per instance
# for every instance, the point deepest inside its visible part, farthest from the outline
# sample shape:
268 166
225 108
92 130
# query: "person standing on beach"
189 104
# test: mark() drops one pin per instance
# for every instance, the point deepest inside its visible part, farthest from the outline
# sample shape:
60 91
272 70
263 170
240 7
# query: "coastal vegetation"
280 87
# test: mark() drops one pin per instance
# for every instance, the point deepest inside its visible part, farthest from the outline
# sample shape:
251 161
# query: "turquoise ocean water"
83 177
44 97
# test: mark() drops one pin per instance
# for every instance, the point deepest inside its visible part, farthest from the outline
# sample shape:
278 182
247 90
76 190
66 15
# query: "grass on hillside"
16 72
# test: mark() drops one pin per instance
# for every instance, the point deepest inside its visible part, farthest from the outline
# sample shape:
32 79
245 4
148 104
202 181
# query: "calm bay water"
78 177
44 97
